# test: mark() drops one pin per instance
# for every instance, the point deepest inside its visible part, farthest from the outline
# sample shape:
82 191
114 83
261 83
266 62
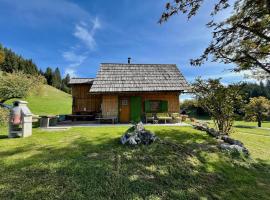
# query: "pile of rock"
138 135
225 142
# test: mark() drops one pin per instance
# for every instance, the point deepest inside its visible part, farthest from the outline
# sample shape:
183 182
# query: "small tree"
18 85
257 108
219 101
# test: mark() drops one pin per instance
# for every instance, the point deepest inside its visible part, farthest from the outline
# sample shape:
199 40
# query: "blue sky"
77 36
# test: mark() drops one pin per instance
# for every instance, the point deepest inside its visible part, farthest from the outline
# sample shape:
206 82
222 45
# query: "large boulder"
138 135
234 147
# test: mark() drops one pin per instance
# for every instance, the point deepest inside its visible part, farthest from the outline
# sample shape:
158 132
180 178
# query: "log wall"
83 101
109 105
171 97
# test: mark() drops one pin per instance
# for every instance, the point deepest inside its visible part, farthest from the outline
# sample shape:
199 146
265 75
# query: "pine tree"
65 87
13 62
48 75
56 79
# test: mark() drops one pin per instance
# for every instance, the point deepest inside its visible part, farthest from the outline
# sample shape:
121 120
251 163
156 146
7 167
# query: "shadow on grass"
180 166
3 137
245 126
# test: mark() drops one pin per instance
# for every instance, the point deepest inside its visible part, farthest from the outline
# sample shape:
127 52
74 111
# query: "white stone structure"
23 126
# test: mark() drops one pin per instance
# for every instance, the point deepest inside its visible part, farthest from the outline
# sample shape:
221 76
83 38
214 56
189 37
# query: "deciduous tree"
257 108
243 38
18 85
219 101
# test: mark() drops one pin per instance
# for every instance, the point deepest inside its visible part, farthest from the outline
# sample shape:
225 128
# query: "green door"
135 109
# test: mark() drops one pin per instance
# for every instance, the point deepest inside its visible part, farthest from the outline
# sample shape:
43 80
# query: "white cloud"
96 24
72 72
73 58
85 32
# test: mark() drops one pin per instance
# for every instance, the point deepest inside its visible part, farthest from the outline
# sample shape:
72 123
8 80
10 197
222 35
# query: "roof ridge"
81 78
138 64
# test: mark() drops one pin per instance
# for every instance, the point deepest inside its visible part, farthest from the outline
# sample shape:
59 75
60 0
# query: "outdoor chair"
176 117
149 117
164 117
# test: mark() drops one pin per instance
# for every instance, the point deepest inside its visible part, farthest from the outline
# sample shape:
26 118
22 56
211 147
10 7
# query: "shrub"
220 101
18 85
4 115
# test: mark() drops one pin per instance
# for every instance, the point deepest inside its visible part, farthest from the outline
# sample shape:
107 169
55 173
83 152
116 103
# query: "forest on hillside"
12 62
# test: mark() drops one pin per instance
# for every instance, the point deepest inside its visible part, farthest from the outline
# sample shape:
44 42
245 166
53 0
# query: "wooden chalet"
128 91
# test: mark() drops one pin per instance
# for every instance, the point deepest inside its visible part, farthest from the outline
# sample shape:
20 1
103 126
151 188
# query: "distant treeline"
255 90
54 79
249 90
14 62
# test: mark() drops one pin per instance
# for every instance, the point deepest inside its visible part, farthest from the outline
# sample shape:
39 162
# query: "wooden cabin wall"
171 97
109 105
83 101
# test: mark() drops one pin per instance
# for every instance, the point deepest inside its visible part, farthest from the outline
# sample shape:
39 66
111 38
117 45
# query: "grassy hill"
49 100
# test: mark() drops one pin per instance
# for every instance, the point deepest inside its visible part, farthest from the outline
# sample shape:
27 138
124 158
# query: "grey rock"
138 135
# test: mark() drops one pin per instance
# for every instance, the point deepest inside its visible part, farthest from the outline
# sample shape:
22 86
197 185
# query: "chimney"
129 60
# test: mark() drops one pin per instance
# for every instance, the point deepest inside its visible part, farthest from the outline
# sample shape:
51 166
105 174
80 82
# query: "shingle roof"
138 78
81 81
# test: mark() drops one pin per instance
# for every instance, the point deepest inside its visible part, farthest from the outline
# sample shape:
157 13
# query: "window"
124 102
154 106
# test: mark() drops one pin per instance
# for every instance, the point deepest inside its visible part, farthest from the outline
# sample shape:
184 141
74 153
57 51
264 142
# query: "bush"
4 115
192 108
220 101
18 85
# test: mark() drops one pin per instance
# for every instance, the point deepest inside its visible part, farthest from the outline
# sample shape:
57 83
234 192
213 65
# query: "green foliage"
219 101
54 79
48 75
2 56
18 85
65 87
13 62
4 113
243 38
257 108
256 90
192 108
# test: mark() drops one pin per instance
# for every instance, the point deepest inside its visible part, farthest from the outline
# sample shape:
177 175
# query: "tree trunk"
260 120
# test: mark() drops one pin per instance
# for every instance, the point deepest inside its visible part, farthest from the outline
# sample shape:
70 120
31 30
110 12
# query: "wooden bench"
164 117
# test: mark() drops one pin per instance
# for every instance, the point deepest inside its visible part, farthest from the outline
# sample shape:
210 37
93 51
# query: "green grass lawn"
49 100
89 163
255 139
243 124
